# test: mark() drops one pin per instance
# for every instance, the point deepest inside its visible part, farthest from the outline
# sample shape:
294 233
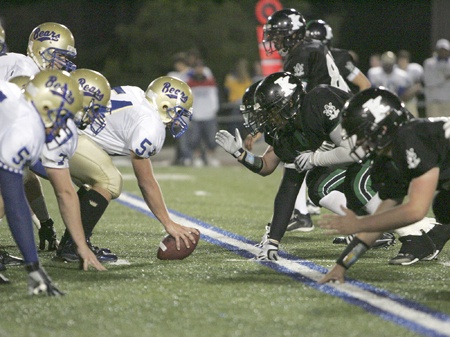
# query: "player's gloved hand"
39 282
269 251
447 129
47 233
233 145
303 162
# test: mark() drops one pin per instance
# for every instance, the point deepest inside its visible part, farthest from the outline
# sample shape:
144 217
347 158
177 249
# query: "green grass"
214 292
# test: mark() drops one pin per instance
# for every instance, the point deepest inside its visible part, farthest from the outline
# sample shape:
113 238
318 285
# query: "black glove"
39 282
47 233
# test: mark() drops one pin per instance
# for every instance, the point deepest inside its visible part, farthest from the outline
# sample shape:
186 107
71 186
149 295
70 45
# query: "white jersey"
22 134
133 125
57 156
14 64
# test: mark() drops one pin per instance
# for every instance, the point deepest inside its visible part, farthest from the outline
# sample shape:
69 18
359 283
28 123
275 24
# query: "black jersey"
313 63
319 115
346 65
419 146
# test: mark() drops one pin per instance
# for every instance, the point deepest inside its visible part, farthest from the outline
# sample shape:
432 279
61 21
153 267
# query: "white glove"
233 145
447 129
39 282
269 252
303 162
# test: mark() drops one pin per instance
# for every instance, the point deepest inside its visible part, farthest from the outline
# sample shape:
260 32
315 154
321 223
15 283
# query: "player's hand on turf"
88 258
340 224
180 232
335 275
231 144
39 282
447 129
47 233
303 162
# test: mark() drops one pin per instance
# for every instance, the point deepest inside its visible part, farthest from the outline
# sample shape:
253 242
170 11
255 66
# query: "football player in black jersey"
297 123
309 60
411 170
319 30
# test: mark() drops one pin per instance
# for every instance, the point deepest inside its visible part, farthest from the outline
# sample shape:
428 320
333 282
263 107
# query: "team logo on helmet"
91 91
174 93
61 90
46 35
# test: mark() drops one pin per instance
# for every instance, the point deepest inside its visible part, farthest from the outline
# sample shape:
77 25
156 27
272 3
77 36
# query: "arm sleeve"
340 155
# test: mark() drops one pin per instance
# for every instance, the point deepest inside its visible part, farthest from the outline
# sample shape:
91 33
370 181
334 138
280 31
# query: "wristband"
238 153
354 250
252 162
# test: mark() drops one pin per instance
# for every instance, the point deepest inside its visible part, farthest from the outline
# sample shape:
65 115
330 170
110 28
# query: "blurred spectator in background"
436 77
415 73
181 70
203 126
236 82
375 60
391 77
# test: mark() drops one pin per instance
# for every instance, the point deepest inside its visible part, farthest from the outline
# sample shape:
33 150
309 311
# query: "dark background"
132 42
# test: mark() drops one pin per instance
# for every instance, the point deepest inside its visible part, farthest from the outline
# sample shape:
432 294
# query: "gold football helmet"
57 97
20 81
96 99
173 100
2 41
51 45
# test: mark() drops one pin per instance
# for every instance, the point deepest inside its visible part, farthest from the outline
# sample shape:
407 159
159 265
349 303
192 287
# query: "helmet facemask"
93 116
178 125
54 58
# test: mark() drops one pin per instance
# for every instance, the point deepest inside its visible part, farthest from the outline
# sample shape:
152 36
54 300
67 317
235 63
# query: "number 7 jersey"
133 125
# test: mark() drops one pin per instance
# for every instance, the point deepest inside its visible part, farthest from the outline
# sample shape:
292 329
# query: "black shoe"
440 234
102 254
67 253
300 223
386 240
414 248
10 260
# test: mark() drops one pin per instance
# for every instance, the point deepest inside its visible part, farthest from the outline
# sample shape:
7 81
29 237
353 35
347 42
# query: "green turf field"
216 291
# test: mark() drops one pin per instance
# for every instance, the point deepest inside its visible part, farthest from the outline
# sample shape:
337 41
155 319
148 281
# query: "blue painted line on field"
408 324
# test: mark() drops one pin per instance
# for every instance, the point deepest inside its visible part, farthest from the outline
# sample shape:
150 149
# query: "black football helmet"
283 29
248 109
278 99
319 30
371 119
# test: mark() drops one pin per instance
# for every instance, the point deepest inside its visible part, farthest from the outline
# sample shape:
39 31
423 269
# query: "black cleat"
300 223
414 248
9 260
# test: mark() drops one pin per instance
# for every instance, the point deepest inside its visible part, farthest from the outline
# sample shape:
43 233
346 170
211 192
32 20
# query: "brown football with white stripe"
167 249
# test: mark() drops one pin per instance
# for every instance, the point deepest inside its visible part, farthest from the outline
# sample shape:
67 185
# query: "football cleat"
300 223
67 253
440 234
386 240
414 248
10 260
265 237
269 252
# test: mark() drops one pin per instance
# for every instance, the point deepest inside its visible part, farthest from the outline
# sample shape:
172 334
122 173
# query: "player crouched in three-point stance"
24 136
411 158
136 127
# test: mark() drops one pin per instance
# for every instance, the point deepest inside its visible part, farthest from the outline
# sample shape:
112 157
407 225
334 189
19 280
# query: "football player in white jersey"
50 46
136 127
24 137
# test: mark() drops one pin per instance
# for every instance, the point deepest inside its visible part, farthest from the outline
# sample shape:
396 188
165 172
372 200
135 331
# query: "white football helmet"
96 99
2 41
173 100
51 45
57 97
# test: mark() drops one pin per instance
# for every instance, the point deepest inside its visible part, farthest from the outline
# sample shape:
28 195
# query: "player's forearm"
153 197
336 157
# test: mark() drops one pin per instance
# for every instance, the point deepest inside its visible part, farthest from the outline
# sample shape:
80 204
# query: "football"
168 250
